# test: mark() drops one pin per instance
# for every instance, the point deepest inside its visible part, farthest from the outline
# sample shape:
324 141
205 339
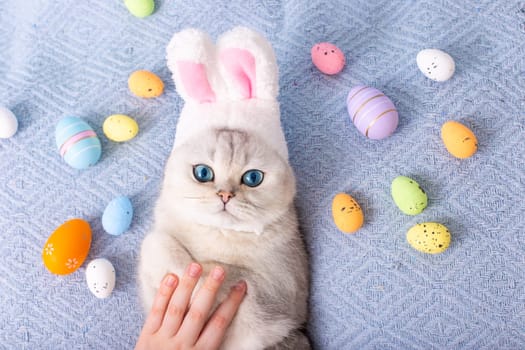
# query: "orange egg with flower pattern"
67 247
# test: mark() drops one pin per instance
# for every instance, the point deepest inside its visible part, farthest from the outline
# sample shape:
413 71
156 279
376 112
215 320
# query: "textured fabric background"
369 290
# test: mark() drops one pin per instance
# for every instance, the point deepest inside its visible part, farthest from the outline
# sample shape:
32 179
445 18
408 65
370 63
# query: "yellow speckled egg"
459 140
347 214
120 128
145 84
67 248
429 237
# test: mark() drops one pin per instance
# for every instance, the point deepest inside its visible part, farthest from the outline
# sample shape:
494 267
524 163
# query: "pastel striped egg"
77 143
372 112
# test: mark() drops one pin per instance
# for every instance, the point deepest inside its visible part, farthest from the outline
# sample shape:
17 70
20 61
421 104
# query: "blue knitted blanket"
369 290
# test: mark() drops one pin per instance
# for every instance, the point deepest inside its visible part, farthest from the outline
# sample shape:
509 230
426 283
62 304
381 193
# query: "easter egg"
436 64
429 237
100 277
8 123
140 8
77 143
328 58
409 197
459 140
143 83
117 216
347 214
120 128
67 248
374 115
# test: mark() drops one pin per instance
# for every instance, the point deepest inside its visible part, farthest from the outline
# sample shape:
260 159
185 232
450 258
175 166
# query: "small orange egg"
459 140
347 214
145 84
67 247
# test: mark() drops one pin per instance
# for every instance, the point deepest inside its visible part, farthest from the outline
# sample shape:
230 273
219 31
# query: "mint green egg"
140 8
409 197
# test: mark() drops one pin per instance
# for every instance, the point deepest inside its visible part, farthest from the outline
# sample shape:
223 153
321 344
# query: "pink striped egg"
372 112
77 143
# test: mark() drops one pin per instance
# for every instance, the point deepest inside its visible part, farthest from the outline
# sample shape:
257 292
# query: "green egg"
140 8
409 197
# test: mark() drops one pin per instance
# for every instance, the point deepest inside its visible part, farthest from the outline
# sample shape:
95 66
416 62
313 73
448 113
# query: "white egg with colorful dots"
436 64
100 277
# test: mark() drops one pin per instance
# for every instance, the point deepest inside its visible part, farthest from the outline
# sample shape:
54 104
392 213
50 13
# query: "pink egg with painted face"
328 58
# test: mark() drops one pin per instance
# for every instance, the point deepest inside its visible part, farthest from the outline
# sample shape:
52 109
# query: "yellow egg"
145 84
67 248
459 140
347 214
429 237
120 128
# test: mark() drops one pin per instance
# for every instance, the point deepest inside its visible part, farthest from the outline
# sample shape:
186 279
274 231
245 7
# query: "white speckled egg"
8 123
100 277
436 64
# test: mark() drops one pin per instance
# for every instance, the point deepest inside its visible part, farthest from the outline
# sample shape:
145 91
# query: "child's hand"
174 323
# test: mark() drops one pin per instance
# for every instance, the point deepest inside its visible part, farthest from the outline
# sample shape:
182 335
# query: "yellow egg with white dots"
347 214
120 128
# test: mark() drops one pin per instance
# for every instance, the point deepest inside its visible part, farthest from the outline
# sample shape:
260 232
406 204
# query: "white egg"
436 64
100 277
8 123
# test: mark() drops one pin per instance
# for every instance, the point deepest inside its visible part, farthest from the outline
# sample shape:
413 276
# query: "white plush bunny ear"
191 58
247 65
232 85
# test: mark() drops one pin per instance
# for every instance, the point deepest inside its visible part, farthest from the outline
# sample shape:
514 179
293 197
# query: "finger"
212 336
201 306
160 303
180 300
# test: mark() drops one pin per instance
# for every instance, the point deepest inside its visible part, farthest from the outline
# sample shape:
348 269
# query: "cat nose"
225 196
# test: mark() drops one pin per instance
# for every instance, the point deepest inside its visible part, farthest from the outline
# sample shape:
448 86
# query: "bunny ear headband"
230 85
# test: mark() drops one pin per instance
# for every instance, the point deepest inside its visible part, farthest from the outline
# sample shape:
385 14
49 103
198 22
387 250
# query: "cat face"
230 180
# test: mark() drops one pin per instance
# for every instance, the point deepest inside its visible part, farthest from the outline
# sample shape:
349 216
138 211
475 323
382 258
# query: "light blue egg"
117 216
77 143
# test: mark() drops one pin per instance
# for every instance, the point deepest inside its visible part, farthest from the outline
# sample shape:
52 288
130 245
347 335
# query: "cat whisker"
251 206
245 210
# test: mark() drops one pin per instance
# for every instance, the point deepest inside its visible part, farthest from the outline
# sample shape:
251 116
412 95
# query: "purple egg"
373 114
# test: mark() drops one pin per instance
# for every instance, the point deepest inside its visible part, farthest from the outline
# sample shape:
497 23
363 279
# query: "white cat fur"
256 238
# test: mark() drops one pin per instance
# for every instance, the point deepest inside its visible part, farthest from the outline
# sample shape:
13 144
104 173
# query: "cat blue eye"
203 173
253 178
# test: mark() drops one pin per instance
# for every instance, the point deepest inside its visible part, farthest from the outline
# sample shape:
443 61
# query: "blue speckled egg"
117 216
77 143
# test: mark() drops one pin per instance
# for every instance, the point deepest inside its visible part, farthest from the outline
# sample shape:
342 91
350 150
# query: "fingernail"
194 270
169 280
240 286
218 273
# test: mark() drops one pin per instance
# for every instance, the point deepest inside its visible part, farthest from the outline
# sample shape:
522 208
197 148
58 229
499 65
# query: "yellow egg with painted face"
347 214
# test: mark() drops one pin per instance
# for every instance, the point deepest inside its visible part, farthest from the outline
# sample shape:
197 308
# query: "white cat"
228 190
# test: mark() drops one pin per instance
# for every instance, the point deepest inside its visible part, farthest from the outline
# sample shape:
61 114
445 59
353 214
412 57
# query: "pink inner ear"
241 65
195 81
